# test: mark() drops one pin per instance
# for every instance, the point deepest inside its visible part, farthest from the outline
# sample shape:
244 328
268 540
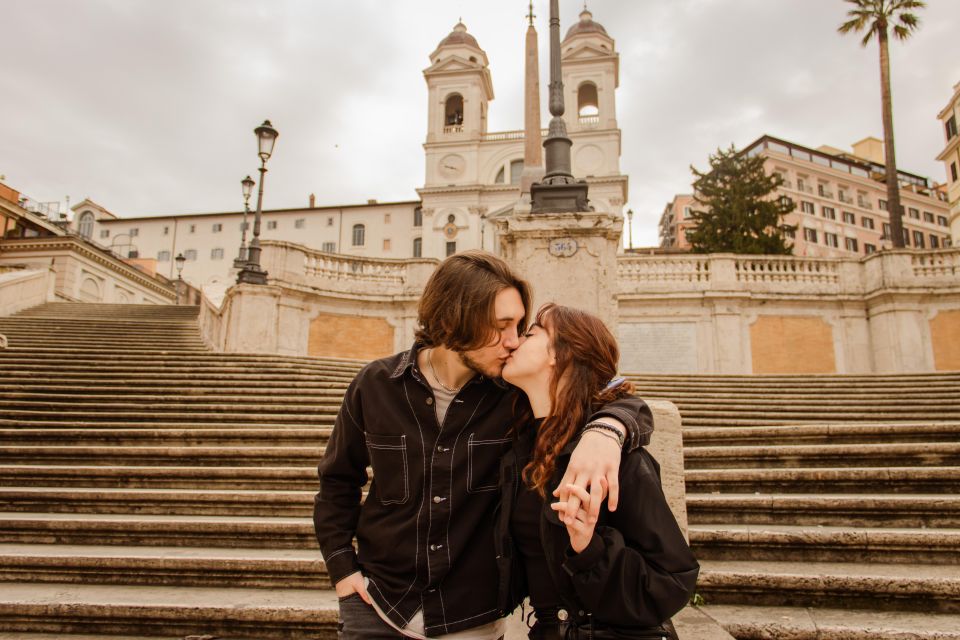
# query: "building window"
588 103
418 247
947 242
134 232
216 254
886 231
869 248
329 247
104 233
166 231
810 235
953 171
85 227
453 111
516 170
790 233
942 221
271 224
193 228
906 237
829 213
913 213
866 222
928 217
386 218
330 221
687 213
217 228
807 207
299 223
499 179
934 242
849 218
190 254
918 240
831 240
851 244
951 127
883 205
823 190
418 217
451 248
163 256
133 253
386 244
359 235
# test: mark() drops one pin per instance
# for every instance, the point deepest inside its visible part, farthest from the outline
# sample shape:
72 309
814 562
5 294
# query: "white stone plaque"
563 247
658 347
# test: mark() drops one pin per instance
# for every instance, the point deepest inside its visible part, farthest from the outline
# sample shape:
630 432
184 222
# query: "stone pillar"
568 258
252 319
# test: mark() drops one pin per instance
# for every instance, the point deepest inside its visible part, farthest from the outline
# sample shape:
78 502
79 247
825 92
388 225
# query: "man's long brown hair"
457 308
586 356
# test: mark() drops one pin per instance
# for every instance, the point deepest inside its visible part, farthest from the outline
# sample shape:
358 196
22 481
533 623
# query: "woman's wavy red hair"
586 356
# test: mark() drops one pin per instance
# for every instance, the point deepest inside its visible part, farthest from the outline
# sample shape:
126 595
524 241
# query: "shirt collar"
409 361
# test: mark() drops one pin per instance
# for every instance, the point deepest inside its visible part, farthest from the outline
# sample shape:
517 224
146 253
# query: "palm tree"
878 18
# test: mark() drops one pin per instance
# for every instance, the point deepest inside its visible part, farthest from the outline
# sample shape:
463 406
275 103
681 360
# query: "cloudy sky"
148 107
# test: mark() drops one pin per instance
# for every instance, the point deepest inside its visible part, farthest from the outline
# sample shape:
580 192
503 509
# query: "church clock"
451 165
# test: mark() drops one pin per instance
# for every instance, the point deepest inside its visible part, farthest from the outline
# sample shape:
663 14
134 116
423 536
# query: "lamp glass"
180 260
247 184
266 137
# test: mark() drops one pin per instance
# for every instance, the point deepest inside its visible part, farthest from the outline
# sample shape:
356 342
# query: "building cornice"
324 209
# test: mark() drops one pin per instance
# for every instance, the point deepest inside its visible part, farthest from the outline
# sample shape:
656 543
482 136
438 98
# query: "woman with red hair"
622 576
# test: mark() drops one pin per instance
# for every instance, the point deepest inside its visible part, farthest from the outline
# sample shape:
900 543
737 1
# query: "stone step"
211 502
261 614
143 477
63 422
170 369
210 358
857 414
838 433
230 378
838 480
13 407
159 414
175 388
920 454
764 542
852 510
881 587
803 623
315 437
163 566
164 456
165 531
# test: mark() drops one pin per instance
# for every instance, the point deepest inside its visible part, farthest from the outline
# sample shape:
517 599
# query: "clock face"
452 165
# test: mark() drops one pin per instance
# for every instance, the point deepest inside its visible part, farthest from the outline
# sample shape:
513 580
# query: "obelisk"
532 140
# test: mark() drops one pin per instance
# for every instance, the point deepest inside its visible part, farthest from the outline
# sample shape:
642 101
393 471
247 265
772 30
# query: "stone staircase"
152 488
823 507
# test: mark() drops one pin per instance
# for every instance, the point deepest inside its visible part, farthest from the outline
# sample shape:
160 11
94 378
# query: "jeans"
358 621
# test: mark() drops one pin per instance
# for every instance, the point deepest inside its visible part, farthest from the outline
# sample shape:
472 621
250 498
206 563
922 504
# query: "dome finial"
530 15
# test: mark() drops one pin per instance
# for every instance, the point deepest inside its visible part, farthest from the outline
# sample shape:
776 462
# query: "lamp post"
247 184
559 191
252 272
179 260
630 228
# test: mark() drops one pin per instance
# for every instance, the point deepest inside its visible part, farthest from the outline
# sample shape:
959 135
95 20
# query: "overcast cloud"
148 107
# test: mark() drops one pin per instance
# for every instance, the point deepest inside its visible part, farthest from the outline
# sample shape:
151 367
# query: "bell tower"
591 75
459 90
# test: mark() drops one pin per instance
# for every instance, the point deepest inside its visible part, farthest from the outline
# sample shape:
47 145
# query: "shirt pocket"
388 457
483 463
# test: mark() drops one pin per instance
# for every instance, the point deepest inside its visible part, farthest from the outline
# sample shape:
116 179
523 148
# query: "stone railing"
25 288
788 275
508 135
289 263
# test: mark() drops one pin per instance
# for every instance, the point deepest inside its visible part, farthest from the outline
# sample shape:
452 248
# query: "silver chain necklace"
437 378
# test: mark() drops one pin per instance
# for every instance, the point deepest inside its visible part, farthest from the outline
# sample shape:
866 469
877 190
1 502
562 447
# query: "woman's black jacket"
636 572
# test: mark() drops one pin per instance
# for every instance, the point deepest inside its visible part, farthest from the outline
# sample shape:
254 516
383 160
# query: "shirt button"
437 499
429 401
562 615
436 547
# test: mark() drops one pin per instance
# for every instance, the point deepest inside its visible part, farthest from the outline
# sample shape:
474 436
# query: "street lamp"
179 260
630 228
252 272
247 184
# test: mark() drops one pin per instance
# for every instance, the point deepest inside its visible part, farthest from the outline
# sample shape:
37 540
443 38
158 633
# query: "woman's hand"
579 528
353 583
595 463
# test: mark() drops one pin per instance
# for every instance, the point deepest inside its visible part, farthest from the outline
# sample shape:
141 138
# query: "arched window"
418 247
588 103
453 113
85 226
516 169
499 179
359 235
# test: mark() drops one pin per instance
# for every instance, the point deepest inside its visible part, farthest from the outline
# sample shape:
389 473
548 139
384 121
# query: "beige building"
472 175
951 159
840 200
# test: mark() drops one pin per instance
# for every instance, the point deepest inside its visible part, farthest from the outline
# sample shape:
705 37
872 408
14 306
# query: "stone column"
252 318
568 258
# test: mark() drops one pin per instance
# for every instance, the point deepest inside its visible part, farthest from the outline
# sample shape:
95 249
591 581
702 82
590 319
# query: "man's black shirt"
425 532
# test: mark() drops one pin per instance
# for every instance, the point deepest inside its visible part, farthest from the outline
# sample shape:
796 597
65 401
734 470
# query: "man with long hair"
432 423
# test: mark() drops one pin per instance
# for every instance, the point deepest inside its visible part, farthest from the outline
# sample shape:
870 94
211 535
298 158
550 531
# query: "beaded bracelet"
603 427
